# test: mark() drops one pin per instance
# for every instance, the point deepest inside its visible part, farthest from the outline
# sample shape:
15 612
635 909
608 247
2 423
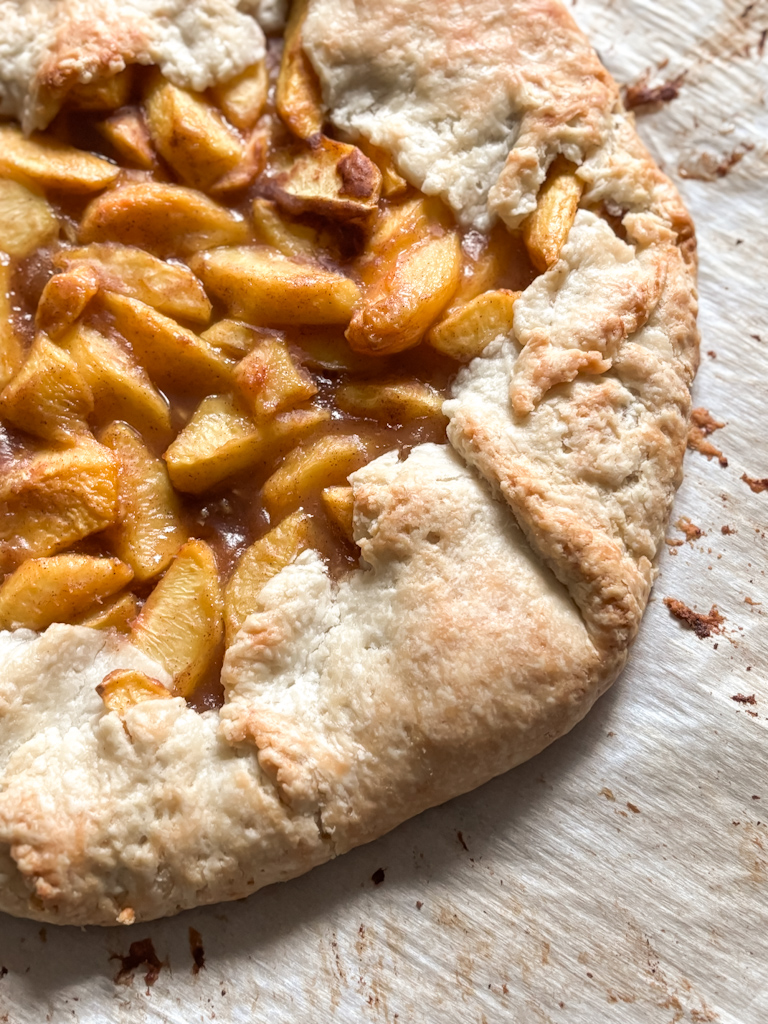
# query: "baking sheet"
622 874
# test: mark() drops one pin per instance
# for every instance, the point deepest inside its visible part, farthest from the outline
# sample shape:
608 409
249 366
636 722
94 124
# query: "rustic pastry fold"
503 576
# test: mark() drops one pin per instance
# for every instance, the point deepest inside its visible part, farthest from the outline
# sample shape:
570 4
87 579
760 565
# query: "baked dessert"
345 388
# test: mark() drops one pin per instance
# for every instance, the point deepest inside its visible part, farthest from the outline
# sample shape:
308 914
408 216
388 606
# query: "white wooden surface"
544 897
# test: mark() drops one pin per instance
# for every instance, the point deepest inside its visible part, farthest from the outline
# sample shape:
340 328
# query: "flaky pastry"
501 575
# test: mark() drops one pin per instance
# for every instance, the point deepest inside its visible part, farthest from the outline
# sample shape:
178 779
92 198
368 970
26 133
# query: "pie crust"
503 576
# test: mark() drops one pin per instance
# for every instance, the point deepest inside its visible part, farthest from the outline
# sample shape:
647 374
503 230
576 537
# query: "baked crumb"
641 94
691 530
140 953
702 425
702 625
197 950
709 166
755 484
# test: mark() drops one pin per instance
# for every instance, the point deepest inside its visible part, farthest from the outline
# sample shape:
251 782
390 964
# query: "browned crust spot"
741 698
702 625
104 45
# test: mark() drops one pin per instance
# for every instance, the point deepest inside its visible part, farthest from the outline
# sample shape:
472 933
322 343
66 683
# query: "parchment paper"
623 874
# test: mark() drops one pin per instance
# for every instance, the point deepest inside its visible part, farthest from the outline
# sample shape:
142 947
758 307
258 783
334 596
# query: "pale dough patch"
47 45
473 99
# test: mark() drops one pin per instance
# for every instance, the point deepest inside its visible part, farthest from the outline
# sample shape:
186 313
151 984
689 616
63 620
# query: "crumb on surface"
690 529
756 484
702 625
703 423
197 950
641 94
709 166
140 953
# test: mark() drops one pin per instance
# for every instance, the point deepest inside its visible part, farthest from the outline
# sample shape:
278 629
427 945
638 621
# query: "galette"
345 357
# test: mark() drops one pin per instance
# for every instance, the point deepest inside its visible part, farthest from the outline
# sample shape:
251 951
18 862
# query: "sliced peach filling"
211 314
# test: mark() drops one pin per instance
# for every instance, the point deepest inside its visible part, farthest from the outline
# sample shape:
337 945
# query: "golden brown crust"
413 723
95 42
590 466
503 577
531 88
54 45
623 177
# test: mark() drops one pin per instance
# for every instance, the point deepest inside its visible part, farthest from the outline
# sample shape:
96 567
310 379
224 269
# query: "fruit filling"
212 312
